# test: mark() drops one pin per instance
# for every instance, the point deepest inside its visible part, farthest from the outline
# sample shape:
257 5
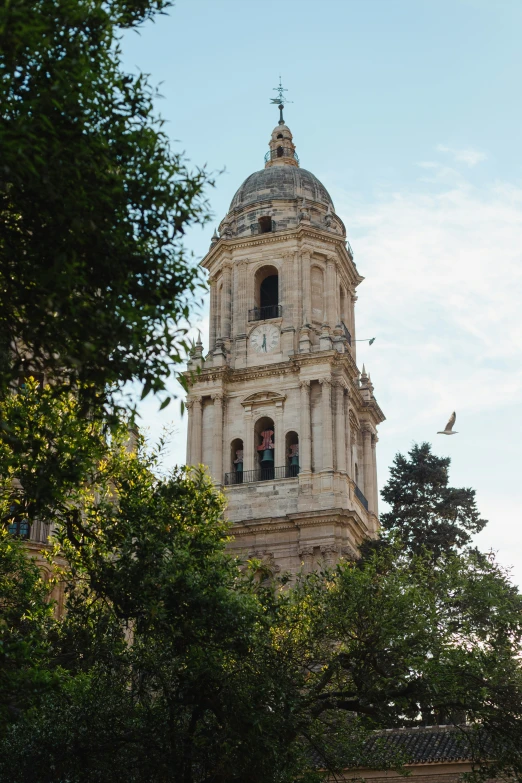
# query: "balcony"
361 498
265 313
286 152
261 474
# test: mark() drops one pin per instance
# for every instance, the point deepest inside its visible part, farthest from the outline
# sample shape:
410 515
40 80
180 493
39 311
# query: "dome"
280 182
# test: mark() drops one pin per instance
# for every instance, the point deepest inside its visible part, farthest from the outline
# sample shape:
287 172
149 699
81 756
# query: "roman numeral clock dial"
264 339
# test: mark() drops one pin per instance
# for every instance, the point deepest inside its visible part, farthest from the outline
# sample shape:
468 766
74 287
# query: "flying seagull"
448 429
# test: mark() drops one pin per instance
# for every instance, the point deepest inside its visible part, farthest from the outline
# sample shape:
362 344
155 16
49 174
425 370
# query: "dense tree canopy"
95 286
175 662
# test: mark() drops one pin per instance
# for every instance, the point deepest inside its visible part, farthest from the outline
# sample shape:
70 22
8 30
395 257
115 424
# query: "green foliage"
49 451
26 623
426 513
175 663
95 286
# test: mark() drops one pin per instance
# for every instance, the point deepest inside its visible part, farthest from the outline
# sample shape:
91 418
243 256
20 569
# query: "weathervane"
280 101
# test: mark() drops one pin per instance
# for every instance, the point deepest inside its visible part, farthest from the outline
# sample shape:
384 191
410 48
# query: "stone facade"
279 411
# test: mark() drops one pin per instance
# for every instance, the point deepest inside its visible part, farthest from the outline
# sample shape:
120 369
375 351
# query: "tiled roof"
424 744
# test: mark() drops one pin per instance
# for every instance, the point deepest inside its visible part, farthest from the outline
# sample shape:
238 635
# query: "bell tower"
279 413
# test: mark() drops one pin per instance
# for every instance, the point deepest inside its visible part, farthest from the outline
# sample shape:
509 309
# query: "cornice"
301 233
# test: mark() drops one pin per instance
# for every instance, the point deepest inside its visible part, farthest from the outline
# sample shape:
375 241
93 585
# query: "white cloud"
469 156
443 295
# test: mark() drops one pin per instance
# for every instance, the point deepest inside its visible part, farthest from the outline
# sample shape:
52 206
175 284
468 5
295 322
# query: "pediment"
263 398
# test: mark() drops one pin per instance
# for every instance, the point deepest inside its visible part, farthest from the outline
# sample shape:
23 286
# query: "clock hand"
263 344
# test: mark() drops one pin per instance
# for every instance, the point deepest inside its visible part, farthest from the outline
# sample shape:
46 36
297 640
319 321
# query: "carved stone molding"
263 398
349 553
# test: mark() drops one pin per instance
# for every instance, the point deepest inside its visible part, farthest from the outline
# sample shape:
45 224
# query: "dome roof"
280 182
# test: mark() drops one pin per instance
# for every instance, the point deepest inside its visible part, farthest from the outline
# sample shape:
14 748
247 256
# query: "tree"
26 624
426 513
95 286
174 662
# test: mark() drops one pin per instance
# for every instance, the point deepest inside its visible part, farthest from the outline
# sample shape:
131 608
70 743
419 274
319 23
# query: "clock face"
264 339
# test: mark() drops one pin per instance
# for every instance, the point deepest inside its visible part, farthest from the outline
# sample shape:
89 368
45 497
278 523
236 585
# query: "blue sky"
409 112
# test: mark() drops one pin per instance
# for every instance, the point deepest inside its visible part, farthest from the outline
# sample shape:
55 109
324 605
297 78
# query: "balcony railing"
347 334
261 474
265 313
360 497
287 153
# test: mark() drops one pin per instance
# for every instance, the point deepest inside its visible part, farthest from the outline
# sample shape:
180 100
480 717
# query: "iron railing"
287 153
347 334
265 313
360 497
261 474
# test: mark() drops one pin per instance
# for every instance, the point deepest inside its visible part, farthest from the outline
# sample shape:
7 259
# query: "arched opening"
280 136
236 461
265 224
266 294
280 152
265 447
292 454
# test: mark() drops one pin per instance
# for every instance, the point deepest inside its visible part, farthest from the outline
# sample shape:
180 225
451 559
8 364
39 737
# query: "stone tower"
280 413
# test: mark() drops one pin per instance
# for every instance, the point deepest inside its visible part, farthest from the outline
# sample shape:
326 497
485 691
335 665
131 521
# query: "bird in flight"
448 429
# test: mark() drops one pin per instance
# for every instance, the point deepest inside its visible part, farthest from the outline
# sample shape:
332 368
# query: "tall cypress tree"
427 513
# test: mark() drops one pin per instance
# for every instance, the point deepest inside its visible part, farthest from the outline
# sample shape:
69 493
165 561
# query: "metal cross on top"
280 101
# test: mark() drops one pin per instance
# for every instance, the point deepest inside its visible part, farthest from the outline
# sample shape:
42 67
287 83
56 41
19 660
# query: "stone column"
196 434
217 445
295 292
226 301
189 406
248 441
330 555
331 293
240 298
279 442
213 314
348 431
368 465
307 558
351 325
375 484
305 436
326 396
307 296
340 428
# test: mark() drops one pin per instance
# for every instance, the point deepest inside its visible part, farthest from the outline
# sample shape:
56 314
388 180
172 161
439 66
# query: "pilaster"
340 427
217 445
326 404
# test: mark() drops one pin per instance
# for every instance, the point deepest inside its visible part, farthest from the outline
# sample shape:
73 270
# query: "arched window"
266 295
280 152
265 447
279 135
265 224
236 461
292 454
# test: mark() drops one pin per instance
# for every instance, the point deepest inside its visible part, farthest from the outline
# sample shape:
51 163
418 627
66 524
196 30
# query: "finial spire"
280 101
